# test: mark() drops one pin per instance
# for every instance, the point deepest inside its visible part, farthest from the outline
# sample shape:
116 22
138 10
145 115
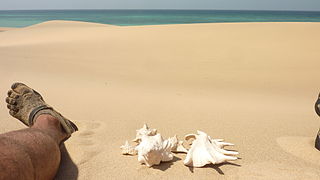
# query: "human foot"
27 104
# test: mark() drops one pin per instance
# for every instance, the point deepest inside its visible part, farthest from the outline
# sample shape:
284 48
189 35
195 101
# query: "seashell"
144 131
205 150
176 145
152 150
128 150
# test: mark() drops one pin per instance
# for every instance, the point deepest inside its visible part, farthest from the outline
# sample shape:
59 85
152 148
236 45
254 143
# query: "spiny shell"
128 150
205 150
152 150
144 131
176 145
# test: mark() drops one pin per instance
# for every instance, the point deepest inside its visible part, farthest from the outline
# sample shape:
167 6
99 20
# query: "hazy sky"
311 5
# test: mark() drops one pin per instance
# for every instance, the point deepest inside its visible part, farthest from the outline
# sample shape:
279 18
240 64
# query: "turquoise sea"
22 18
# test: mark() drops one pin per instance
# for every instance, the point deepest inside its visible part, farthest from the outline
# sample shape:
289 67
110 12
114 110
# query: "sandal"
26 104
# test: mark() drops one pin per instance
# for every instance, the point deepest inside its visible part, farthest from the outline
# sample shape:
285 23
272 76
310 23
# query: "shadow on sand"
216 167
68 169
166 165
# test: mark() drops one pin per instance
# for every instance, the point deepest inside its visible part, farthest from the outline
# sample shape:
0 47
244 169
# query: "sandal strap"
35 111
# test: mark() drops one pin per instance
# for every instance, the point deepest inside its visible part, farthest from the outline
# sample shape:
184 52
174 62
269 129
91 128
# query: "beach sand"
2 29
253 84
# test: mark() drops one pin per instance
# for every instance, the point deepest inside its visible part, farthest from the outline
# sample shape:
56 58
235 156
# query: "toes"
37 93
21 88
12 112
12 107
13 95
16 85
11 101
10 92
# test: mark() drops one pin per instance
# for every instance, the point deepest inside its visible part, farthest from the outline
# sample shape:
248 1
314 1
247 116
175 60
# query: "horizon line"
161 9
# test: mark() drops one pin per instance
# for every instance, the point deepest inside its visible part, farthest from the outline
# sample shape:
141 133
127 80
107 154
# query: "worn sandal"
27 104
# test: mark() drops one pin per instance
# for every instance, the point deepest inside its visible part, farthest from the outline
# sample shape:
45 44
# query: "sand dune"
253 84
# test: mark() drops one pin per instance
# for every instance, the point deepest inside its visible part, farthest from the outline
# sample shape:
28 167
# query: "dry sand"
253 84
2 29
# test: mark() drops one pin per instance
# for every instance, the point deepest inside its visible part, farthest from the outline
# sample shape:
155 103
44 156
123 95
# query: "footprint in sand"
87 144
86 138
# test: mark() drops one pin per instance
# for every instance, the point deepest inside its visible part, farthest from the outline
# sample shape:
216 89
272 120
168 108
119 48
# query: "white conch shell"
205 150
144 131
128 150
176 145
152 150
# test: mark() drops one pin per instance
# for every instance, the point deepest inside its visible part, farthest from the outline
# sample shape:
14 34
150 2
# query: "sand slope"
253 84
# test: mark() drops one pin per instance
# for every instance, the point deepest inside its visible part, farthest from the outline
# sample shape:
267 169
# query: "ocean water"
22 18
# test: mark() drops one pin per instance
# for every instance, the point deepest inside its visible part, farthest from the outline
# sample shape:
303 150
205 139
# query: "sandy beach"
2 29
252 84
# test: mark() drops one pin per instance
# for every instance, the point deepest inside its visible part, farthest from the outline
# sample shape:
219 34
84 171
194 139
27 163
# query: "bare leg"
32 153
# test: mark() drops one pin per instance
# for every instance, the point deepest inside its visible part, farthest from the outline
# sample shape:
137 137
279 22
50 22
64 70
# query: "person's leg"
32 153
